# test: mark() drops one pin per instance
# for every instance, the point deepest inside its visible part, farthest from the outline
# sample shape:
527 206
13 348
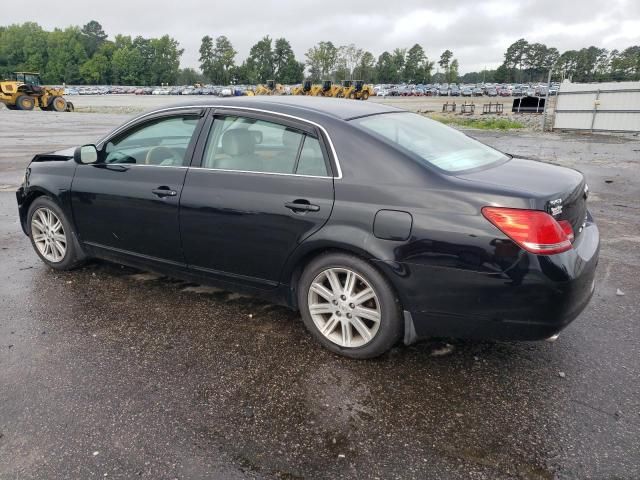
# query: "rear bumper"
534 300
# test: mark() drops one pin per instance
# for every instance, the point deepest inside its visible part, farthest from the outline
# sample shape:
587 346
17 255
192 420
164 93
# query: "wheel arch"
297 264
34 193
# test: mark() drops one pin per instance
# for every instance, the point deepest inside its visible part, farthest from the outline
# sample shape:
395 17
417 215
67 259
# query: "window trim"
147 120
310 130
334 161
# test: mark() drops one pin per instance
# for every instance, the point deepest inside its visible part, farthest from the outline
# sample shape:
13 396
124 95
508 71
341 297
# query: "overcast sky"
478 32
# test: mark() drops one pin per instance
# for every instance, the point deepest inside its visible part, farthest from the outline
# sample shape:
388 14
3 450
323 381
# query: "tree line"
274 59
85 55
526 62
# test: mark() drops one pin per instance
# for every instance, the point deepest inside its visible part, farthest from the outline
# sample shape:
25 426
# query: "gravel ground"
112 372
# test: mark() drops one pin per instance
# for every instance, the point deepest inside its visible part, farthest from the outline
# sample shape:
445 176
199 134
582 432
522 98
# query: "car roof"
298 104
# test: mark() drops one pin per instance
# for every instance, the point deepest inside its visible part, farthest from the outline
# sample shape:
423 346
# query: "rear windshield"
433 142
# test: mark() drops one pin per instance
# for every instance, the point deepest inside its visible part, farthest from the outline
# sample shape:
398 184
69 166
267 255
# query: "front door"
128 201
263 186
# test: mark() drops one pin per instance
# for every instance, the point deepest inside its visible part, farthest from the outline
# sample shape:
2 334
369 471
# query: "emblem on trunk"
554 207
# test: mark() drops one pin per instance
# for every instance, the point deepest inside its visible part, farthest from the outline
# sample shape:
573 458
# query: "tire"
352 96
25 102
337 314
58 104
365 96
11 107
39 211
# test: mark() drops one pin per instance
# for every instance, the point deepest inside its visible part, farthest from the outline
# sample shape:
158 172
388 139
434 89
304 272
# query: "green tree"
95 69
445 59
93 36
287 69
386 68
206 57
398 56
260 60
165 62
126 66
414 64
189 76
321 60
65 54
223 60
514 59
366 69
452 76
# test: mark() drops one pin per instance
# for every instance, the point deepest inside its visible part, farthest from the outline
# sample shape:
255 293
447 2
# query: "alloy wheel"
344 307
48 235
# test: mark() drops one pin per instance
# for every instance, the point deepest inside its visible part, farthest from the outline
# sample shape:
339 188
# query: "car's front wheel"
51 235
348 306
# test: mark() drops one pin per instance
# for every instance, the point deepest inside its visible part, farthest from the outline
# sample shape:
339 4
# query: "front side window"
161 142
252 145
434 143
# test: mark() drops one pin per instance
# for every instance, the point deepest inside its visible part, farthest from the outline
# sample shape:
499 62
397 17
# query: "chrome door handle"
302 206
164 192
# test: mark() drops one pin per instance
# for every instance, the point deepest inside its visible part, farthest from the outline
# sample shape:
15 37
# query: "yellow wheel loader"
304 89
356 90
327 89
271 88
25 92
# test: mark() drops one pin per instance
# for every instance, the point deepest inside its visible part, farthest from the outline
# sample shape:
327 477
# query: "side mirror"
86 154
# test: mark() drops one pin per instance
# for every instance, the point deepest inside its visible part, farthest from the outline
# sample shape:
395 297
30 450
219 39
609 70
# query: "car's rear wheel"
348 306
51 235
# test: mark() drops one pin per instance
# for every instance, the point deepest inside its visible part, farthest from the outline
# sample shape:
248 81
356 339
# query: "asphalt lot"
111 372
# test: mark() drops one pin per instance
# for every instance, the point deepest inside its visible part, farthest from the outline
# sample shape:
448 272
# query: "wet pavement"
111 372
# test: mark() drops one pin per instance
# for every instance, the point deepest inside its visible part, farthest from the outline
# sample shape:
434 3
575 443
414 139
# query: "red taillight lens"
567 229
534 230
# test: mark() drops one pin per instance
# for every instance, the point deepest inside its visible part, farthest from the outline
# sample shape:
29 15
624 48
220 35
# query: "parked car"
454 92
517 92
466 92
477 92
376 224
443 91
492 92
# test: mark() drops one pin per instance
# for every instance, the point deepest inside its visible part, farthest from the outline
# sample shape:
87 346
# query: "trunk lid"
561 192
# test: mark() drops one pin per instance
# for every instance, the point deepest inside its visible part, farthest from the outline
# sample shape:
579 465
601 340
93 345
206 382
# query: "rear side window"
252 145
311 159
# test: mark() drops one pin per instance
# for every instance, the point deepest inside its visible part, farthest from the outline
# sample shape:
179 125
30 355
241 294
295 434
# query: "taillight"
534 230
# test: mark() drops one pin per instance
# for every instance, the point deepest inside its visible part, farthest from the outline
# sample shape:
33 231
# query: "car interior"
243 144
235 143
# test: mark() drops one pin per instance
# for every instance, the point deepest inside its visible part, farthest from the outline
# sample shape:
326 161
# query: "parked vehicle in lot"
466 92
492 92
477 92
517 92
377 224
443 91
454 92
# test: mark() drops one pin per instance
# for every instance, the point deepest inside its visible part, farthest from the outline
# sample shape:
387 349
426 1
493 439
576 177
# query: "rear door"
263 185
128 201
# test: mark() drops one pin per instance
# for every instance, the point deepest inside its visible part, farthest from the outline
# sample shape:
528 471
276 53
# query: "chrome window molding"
248 109
262 173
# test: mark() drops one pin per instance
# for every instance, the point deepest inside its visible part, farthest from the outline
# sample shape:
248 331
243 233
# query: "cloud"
477 32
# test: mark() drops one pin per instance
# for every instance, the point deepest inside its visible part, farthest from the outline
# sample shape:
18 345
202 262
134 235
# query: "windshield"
433 142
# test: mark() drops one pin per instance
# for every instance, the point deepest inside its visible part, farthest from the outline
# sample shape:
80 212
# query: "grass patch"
489 123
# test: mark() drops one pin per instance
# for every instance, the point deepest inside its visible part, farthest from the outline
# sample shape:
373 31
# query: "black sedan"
377 224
